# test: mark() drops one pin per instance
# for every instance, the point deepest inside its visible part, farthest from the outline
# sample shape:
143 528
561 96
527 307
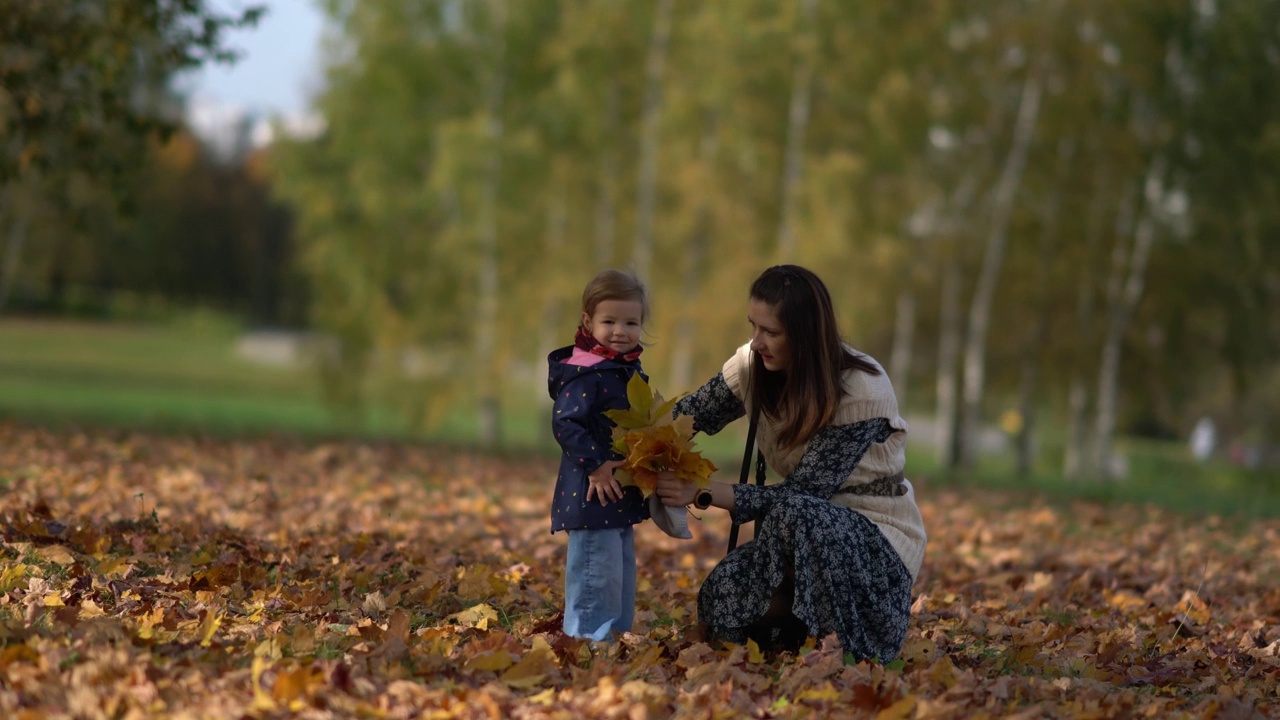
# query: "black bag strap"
746 466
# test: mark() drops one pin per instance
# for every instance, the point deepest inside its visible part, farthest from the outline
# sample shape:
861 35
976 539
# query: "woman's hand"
673 491
602 484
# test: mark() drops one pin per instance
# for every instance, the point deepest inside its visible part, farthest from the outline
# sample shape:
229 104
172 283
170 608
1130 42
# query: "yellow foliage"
12 577
208 628
476 616
533 667
1074 633
651 441
495 660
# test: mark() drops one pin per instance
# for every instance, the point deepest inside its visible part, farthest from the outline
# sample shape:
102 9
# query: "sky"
278 70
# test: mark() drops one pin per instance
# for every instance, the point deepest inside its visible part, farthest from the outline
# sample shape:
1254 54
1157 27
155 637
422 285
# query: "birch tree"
798 110
1129 277
979 319
490 383
651 126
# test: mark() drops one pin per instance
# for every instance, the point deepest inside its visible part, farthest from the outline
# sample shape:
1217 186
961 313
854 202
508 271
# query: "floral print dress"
847 578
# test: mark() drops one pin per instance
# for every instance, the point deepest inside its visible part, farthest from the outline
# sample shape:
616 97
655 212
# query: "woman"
840 541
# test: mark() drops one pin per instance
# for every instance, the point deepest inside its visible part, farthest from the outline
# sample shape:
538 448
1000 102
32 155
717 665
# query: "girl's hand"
603 485
673 491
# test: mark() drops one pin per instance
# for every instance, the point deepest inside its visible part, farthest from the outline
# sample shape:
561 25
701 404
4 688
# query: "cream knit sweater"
866 397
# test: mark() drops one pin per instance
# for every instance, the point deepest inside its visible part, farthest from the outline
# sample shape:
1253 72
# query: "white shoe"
673 521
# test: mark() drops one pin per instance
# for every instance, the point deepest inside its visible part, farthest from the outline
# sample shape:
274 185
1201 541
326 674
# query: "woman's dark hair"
805 396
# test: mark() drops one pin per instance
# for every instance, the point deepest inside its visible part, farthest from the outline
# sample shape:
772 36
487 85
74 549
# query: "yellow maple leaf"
212 621
533 667
651 441
823 693
12 577
293 685
438 641
754 655
945 673
57 554
546 697
647 406
1125 601
116 567
90 609
261 697
476 616
495 660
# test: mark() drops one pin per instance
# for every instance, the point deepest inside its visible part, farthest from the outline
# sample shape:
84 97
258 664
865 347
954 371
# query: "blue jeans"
600 583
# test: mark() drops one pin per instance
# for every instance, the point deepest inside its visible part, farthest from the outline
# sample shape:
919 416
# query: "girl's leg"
593 583
628 614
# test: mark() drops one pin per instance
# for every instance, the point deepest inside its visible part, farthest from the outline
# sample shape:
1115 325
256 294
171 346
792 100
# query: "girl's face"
616 324
768 337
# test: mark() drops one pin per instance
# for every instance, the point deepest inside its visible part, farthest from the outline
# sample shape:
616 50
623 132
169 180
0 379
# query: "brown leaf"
225 605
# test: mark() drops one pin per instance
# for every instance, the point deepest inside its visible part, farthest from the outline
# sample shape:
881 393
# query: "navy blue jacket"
581 395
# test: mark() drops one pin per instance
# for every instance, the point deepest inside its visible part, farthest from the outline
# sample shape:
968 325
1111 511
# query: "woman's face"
768 337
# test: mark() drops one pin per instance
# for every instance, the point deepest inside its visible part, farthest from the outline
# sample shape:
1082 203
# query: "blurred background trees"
1057 217
85 104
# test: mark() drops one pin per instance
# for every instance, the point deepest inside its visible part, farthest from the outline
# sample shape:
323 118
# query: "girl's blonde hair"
615 285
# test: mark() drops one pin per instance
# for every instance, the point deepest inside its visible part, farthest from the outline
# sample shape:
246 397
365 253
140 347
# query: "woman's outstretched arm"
712 406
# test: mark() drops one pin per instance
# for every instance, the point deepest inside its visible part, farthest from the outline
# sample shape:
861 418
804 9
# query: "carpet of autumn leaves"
148 576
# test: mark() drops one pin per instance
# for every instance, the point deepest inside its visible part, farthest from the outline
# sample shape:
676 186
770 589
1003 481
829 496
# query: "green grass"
184 376
165 377
1160 473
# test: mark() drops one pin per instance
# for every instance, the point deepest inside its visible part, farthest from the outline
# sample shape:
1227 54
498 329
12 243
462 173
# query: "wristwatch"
702 500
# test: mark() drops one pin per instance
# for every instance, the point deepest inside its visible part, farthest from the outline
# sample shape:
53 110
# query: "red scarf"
585 341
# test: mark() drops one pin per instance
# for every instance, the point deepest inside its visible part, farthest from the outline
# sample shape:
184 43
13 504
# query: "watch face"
703 499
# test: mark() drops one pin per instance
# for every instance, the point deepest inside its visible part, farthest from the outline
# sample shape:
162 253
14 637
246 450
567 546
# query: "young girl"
584 380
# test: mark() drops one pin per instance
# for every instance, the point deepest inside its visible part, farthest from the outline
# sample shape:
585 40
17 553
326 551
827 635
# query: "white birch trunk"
1025 442
490 374
1077 404
947 382
696 259
551 333
1075 450
904 327
606 212
980 309
797 126
647 189
1118 320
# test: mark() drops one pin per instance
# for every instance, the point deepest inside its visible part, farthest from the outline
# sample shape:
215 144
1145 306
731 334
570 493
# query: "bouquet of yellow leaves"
650 440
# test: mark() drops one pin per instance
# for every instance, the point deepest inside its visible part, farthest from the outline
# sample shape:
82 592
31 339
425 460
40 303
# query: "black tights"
779 629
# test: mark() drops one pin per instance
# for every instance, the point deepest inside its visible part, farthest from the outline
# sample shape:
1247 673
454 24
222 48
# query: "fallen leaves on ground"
145 576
